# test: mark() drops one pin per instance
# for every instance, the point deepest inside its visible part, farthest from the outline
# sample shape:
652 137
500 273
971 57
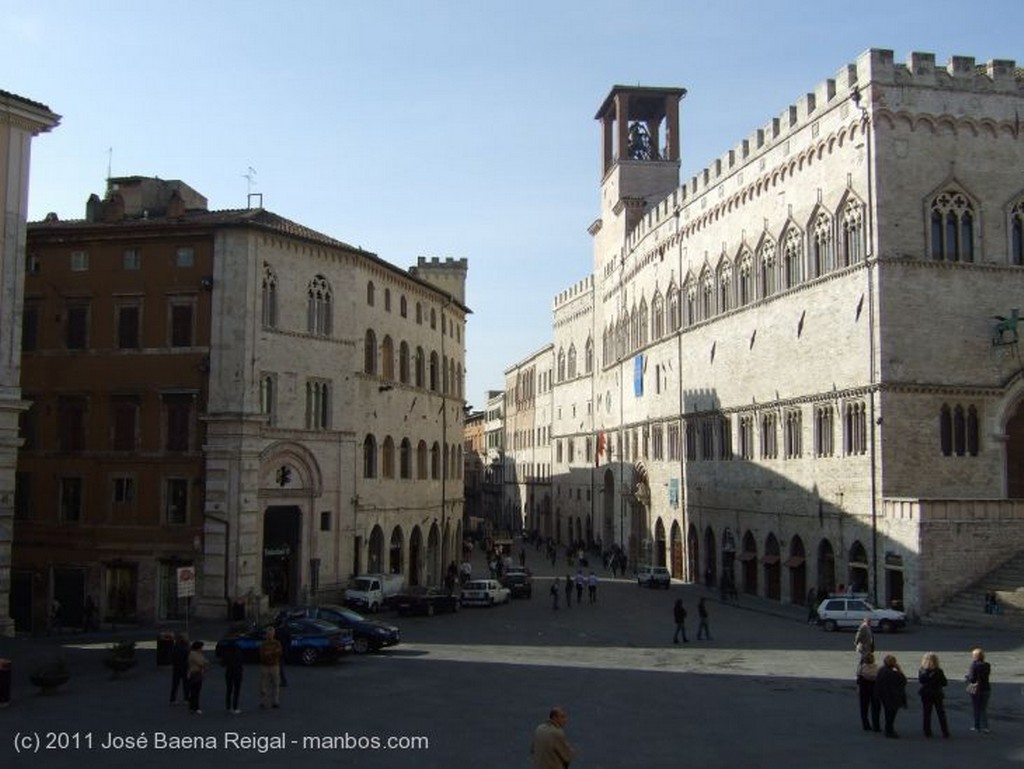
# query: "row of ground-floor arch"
769 566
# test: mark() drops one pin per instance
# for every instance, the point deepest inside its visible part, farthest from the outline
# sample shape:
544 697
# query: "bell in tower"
639 153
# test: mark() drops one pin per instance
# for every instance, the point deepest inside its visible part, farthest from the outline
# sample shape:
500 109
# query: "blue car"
309 641
367 634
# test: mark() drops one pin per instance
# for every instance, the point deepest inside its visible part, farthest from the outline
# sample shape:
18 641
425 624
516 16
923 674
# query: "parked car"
367 634
309 641
426 600
519 582
484 592
653 576
836 613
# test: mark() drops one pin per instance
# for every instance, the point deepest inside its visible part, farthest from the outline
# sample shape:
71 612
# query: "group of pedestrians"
679 617
576 585
882 690
189 666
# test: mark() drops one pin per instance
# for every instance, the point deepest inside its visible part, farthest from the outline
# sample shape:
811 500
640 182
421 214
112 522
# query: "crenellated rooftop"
581 287
874 67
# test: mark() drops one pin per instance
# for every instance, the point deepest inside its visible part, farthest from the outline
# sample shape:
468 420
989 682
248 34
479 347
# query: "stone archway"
415 556
1015 453
772 569
797 565
396 552
748 557
375 553
607 492
660 549
857 576
826 568
676 546
711 567
693 555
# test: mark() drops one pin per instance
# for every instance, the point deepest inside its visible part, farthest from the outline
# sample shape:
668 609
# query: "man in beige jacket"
550 748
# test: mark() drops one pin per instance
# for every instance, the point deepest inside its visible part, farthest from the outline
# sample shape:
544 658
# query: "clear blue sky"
449 129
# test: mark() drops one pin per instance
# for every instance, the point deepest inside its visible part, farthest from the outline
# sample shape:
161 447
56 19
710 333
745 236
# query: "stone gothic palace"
801 368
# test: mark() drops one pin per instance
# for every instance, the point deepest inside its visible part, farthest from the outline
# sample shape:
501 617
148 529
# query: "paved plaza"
467 690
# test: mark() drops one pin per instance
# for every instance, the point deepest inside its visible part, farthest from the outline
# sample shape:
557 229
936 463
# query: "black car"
426 600
367 634
519 582
309 641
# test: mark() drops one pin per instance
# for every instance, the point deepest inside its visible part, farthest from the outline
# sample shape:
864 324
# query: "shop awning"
746 556
770 560
794 562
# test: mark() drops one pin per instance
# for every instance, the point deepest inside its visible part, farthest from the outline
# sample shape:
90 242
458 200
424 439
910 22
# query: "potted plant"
49 675
121 657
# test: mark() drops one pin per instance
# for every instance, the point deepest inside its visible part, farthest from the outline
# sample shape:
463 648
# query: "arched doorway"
433 554
858 575
748 557
375 556
660 549
797 565
772 569
711 568
693 553
282 528
1015 453
415 556
677 551
826 568
396 551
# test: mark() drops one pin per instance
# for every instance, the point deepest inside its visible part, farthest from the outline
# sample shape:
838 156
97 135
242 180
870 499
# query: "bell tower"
639 155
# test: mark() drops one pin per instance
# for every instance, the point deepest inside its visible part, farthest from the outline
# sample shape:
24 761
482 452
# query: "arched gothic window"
269 297
319 310
766 268
822 258
853 233
657 316
952 227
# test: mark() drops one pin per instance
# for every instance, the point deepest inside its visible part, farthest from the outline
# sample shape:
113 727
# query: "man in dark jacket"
179 668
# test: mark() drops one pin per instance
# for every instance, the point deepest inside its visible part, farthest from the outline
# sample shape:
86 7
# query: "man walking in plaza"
702 613
270 670
679 615
550 748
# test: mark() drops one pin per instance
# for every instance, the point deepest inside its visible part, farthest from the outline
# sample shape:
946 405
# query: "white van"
372 592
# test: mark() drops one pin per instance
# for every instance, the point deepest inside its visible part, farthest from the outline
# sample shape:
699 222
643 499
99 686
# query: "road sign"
186 581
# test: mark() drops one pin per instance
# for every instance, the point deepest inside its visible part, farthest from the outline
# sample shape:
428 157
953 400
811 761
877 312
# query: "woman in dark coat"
891 691
978 674
932 681
867 672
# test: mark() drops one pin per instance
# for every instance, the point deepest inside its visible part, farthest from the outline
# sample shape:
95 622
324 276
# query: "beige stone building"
233 392
800 368
20 121
526 471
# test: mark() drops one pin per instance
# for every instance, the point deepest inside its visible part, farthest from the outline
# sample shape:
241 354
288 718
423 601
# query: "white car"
835 613
484 592
653 576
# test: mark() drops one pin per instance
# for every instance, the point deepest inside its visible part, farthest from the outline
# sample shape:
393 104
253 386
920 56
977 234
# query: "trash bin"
5 683
165 648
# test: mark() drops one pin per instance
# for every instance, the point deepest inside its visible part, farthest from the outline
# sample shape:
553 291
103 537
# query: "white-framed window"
184 256
79 261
